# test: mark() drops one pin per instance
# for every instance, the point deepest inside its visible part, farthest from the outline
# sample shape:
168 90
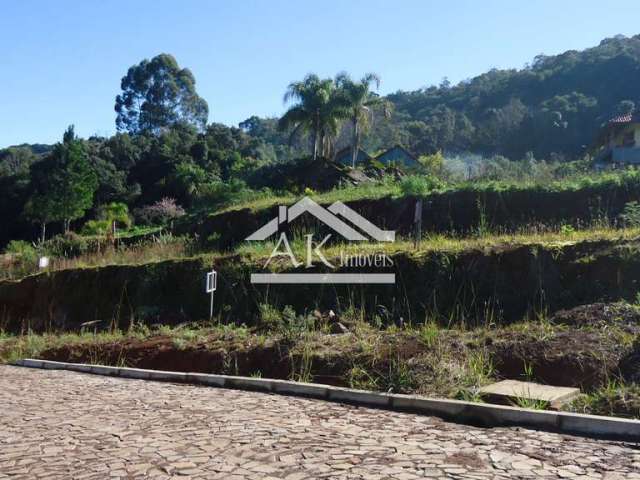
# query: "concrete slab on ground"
514 389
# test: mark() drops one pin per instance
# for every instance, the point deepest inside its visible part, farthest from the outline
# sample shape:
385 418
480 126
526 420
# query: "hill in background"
553 107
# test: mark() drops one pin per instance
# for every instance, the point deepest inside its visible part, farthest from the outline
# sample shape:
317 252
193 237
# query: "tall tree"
64 184
317 111
157 94
41 210
360 103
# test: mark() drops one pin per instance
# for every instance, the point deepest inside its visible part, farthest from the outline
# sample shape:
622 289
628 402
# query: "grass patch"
531 403
14 347
347 193
259 252
616 398
424 185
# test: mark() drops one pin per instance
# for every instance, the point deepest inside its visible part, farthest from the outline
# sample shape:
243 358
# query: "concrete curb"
481 414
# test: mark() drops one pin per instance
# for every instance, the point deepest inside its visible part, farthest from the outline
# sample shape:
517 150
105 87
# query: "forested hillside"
550 110
551 107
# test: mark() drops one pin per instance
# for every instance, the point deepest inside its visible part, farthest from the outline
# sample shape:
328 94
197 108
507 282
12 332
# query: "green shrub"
630 216
286 322
96 227
218 194
429 333
270 317
419 185
398 378
25 250
615 398
68 245
433 164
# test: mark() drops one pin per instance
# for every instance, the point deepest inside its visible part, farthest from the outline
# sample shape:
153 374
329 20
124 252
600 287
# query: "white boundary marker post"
211 284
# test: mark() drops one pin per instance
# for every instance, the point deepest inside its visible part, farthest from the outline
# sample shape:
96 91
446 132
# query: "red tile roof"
626 118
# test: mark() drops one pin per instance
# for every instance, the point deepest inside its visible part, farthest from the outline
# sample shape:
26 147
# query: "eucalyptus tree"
360 102
157 94
317 110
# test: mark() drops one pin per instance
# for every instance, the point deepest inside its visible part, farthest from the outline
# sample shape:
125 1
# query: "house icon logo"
330 217
344 221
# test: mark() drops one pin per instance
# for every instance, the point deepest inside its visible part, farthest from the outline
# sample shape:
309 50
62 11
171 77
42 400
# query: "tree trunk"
324 146
43 231
315 145
316 134
354 144
114 230
66 224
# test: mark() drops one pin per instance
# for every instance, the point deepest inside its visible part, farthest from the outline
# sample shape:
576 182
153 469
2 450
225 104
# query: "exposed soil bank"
443 364
162 353
116 295
585 347
497 285
593 347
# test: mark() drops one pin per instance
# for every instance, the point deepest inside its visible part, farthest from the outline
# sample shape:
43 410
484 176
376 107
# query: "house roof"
399 147
626 118
615 124
347 150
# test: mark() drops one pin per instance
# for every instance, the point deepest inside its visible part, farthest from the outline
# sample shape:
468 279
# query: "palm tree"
316 111
360 101
115 213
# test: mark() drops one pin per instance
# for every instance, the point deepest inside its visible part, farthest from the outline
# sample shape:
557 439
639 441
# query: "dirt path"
56 424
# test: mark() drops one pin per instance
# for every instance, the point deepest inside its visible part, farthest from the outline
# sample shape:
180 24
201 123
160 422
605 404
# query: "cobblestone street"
57 424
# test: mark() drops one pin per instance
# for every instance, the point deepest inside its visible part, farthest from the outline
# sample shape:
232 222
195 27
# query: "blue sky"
61 61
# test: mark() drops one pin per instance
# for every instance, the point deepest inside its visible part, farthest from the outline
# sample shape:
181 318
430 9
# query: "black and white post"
211 283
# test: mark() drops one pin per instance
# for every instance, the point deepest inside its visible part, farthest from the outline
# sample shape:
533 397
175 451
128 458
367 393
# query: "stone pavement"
59 424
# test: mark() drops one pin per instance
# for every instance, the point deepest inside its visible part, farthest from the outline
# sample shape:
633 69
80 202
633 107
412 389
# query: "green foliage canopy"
64 184
157 94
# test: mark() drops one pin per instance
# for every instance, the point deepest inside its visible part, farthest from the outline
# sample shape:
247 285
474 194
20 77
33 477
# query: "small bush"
68 245
218 194
358 377
429 333
286 323
96 227
613 399
630 216
432 164
26 251
163 212
270 317
479 368
398 378
419 185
